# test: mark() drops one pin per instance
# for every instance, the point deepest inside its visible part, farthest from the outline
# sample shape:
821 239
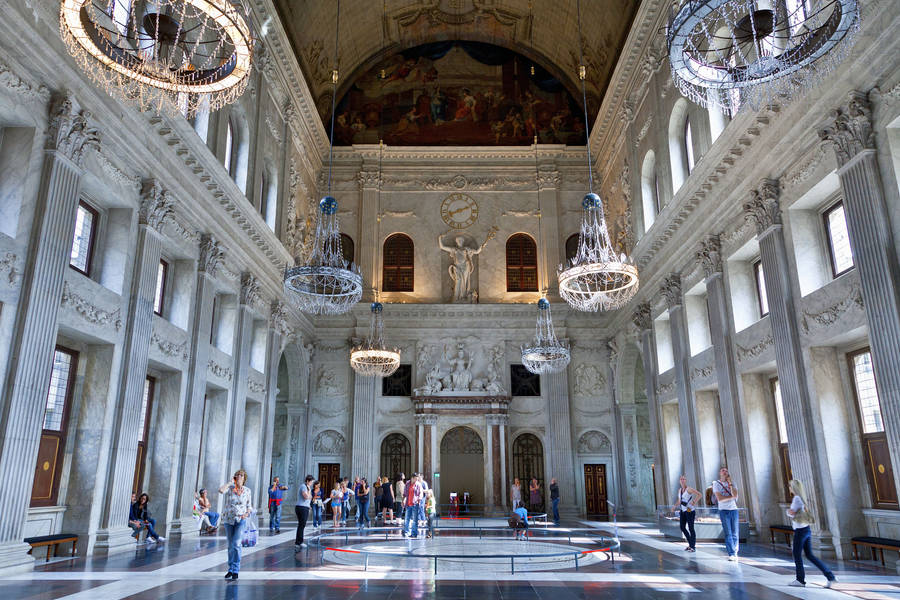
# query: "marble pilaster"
364 454
243 341
156 207
369 219
277 328
560 435
874 252
687 407
644 323
548 191
69 136
619 488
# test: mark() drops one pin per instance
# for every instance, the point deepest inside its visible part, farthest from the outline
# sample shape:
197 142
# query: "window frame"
783 453
92 239
522 268
758 270
852 370
396 269
263 205
829 244
141 451
161 293
687 139
230 144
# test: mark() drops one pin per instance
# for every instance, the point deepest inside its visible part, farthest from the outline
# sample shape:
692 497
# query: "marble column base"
14 558
182 529
112 541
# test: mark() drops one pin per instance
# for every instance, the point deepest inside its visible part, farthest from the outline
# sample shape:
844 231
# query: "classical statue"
460 374
462 265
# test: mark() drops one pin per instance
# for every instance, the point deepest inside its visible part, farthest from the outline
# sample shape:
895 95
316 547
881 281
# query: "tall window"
264 194
879 470
229 147
688 144
571 248
761 297
143 432
650 203
838 240
782 438
528 463
162 273
348 249
396 456
398 264
86 220
521 264
45 488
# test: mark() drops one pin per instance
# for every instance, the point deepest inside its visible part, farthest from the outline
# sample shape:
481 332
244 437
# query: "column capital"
671 289
495 419
157 206
641 317
211 252
249 289
69 131
850 131
369 179
426 419
763 206
547 178
279 319
709 255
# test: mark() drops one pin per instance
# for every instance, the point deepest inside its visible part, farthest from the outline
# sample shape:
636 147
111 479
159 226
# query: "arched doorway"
528 463
396 456
462 465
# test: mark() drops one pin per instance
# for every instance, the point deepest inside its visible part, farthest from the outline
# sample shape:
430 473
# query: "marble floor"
649 567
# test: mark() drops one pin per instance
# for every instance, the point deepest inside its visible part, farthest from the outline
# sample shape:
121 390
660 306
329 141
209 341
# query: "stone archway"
462 465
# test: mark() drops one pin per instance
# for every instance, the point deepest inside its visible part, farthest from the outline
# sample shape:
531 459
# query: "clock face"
459 211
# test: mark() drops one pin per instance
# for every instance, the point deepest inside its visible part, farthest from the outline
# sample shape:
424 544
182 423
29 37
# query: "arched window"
677 148
688 144
396 456
348 250
397 264
521 264
571 248
268 196
528 464
237 148
229 147
649 190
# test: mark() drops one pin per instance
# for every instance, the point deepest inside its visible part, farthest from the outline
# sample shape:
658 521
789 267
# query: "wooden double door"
595 499
329 474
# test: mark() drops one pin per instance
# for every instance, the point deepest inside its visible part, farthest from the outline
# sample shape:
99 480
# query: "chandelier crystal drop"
726 52
546 354
372 357
326 284
169 56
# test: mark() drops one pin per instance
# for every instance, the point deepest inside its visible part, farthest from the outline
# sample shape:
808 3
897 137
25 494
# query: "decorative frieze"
763 207
330 443
255 387
701 373
8 263
851 130
219 371
157 206
12 82
89 312
829 316
70 132
168 348
755 350
709 255
665 389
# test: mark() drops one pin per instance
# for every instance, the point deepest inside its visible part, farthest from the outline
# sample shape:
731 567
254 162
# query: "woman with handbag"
685 502
801 519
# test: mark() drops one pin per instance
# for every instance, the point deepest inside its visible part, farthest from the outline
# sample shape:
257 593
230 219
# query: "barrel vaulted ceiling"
545 31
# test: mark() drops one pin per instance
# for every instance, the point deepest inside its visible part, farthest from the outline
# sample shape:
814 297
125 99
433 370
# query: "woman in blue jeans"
318 507
362 502
726 499
234 517
801 518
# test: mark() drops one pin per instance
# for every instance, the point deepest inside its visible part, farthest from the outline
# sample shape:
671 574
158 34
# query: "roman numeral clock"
459 211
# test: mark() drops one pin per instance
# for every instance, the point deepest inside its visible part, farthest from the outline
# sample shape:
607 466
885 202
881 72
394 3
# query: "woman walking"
516 493
234 517
387 502
535 495
685 502
318 507
801 519
336 499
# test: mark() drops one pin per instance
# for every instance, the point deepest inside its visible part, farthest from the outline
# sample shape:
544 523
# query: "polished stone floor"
649 567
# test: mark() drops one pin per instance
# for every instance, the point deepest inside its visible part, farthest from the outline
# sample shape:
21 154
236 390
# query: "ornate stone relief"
89 312
11 81
829 316
294 445
709 255
641 317
368 179
211 253
326 382
665 389
70 131
330 443
589 380
804 169
156 207
8 263
701 373
256 387
397 214
763 206
116 174
547 179
755 350
851 131
594 442
249 289
643 132
462 182
178 351
219 371
460 367
279 319
671 289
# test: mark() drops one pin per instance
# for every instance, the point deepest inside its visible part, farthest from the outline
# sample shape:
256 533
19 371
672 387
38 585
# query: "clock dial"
459 211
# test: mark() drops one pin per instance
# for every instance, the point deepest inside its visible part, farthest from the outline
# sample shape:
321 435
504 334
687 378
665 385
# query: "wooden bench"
874 543
52 540
785 530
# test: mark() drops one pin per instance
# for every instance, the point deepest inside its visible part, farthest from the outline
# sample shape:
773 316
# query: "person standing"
400 494
424 484
801 519
411 507
336 499
685 503
387 502
554 500
317 505
516 493
304 500
238 506
346 493
377 496
362 503
430 512
726 499
534 497
276 495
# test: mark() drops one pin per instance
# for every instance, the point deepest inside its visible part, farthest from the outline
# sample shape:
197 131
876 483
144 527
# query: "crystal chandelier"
545 354
372 357
174 56
596 278
724 52
326 284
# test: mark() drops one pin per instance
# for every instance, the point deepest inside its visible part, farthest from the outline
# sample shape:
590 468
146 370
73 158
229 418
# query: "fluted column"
189 431
243 342
22 405
763 208
363 461
560 438
278 331
731 407
618 441
691 449
874 253
156 207
548 190
644 323
369 217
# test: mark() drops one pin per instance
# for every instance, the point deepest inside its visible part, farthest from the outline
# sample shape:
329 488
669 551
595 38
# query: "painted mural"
458 94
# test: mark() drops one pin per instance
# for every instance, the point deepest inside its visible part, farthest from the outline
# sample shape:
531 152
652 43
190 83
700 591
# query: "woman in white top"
234 517
516 493
801 518
337 500
685 502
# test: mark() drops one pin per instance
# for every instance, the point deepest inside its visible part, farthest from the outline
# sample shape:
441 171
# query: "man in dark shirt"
554 499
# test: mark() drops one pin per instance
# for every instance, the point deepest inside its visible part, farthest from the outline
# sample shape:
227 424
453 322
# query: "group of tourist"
535 497
725 497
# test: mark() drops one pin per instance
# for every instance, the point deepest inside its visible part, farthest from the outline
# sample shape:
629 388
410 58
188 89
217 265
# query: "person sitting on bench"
140 517
519 522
